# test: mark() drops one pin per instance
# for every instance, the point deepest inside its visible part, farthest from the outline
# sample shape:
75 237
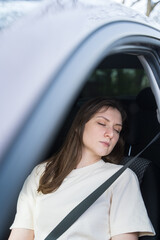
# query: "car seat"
143 126
148 176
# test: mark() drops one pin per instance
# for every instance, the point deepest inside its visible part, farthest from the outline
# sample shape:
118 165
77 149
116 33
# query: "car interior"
122 76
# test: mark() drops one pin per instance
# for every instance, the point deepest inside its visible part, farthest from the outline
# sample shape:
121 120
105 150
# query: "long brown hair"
62 163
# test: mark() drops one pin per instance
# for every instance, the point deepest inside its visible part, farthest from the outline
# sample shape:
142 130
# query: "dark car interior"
122 76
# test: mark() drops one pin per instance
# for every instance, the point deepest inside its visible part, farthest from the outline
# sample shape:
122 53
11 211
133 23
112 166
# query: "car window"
120 80
113 82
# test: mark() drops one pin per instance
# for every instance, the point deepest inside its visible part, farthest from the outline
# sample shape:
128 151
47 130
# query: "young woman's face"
101 133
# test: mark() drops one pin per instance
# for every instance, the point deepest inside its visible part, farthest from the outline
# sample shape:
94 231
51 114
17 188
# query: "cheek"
89 136
116 140
90 132
86 136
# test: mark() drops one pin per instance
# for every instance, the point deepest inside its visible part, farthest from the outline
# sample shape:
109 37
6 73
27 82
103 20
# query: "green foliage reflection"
116 82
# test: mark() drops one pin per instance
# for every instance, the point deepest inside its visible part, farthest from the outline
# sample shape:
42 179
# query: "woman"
92 147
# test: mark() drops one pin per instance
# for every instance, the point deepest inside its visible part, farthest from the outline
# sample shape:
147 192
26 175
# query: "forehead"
109 113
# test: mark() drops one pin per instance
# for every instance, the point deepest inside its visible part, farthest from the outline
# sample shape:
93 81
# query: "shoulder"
127 177
128 173
39 169
34 177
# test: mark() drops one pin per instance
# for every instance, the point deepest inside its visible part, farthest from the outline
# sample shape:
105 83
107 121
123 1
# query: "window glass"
119 75
115 82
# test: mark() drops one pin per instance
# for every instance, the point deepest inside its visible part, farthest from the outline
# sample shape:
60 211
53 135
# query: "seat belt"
73 215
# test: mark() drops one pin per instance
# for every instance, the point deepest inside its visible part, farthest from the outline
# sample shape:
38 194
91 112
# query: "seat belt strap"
89 200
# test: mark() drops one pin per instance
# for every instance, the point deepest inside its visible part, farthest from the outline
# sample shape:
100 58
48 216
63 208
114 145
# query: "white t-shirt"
119 210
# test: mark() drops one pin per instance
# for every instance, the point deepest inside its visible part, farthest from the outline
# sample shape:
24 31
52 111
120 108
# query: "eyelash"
102 124
117 131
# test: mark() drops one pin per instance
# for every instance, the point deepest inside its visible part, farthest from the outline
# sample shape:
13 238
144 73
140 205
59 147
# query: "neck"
87 160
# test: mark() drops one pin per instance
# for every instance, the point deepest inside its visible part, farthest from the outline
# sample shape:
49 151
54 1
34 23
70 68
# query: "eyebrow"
117 124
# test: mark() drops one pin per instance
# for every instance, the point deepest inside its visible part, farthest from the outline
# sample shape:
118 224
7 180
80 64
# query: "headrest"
145 100
143 124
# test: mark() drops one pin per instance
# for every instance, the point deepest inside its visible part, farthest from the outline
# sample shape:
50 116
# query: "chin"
103 154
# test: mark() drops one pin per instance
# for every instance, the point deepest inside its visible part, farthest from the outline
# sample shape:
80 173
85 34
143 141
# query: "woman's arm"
126 236
21 233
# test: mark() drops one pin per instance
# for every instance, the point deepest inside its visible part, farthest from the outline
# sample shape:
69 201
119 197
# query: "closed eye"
102 124
117 131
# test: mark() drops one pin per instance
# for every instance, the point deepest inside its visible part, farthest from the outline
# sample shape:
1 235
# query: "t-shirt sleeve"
26 204
128 213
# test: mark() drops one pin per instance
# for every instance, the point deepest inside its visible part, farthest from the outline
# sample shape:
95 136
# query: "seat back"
148 175
143 126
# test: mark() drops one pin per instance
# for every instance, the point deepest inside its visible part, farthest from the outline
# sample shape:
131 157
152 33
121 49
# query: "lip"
106 144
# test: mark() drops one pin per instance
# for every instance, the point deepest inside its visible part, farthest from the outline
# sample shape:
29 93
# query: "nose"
109 132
